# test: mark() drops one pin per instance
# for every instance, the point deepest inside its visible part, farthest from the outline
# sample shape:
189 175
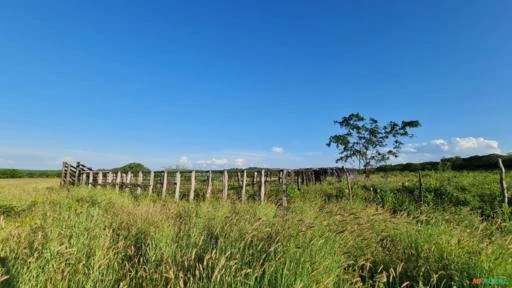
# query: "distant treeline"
486 162
16 173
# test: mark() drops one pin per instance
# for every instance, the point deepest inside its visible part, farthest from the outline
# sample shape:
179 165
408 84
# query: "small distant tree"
368 143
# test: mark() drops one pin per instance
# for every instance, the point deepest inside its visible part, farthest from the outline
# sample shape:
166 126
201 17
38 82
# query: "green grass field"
51 237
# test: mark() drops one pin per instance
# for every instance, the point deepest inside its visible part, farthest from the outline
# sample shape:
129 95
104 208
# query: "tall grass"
99 238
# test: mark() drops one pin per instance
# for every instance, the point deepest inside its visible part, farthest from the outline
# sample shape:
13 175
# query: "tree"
368 143
133 167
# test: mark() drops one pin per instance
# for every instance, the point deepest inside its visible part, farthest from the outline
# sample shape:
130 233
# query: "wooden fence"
194 185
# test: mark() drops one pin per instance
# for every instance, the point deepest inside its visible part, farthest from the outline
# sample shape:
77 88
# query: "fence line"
232 184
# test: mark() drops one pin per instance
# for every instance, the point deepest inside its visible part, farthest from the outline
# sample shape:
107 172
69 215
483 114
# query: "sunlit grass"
51 237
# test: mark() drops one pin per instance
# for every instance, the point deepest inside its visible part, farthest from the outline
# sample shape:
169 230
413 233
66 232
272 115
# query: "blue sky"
225 84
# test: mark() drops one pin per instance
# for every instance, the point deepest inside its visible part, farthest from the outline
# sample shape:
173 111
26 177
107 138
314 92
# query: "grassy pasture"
50 237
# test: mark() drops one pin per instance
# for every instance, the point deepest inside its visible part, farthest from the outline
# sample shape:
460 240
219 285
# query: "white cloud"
438 148
213 161
441 143
276 149
184 160
239 162
480 144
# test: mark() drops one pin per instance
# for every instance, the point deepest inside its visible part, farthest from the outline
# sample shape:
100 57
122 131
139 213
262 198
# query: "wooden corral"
199 184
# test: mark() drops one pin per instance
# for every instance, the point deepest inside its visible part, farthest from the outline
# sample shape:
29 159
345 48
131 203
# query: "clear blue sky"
218 83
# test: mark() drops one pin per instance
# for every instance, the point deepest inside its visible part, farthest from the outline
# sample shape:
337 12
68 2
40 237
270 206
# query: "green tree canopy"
132 167
368 143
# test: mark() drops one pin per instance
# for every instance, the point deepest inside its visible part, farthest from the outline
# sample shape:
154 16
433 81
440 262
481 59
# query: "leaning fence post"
151 182
209 189
164 185
177 192
262 186
68 175
503 183
192 185
225 189
63 174
244 182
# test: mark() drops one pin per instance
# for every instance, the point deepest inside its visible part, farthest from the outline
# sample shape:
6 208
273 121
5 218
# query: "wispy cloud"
277 149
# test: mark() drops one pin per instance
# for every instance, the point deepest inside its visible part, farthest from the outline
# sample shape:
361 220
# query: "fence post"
177 192
284 192
348 183
151 182
420 184
118 180
77 172
244 182
100 179
109 178
254 179
209 189
299 186
192 185
128 181
91 178
82 181
503 183
63 174
68 174
262 186
139 183
164 185
239 178
225 189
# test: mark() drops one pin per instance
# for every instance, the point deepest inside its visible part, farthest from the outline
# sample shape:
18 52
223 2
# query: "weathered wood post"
110 177
63 174
225 186
118 180
283 190
209 189
91 176
164 184
177 192
262 186
68 175
84 176
244 182
139 183
151 182
100 179
348 183
299 182
239 177
192 186
420 184
254 179
503 183
77 172
128 181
